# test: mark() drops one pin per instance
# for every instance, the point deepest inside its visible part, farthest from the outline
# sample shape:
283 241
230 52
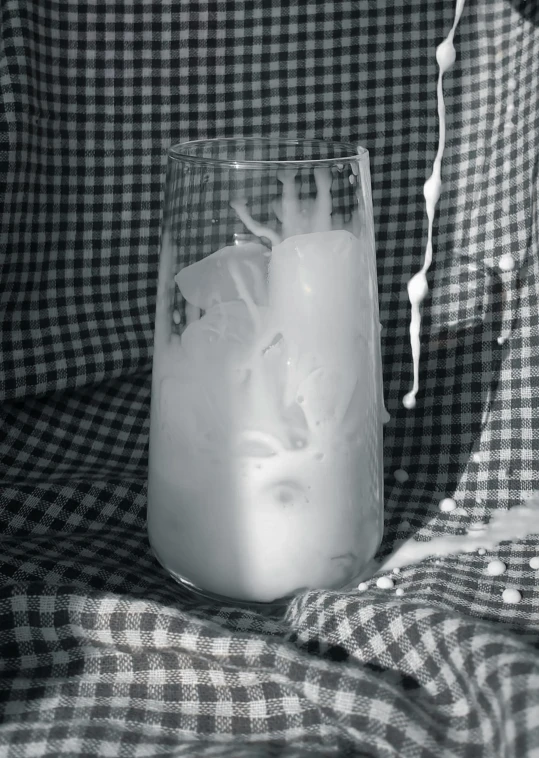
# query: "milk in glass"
265 446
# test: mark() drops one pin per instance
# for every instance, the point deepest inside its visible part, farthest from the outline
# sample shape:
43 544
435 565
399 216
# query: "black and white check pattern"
101 654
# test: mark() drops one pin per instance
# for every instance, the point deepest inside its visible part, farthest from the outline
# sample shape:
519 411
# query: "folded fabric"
101 653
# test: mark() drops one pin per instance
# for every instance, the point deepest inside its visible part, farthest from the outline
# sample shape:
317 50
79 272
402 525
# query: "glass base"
193 593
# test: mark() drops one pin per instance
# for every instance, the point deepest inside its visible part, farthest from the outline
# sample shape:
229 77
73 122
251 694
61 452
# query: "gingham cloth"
101 654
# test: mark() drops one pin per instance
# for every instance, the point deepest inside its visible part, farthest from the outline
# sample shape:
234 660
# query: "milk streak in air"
417 286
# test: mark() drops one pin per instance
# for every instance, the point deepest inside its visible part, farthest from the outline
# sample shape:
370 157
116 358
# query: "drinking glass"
265 462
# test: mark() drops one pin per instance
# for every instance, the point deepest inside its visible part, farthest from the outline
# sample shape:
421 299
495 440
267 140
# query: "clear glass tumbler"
265 469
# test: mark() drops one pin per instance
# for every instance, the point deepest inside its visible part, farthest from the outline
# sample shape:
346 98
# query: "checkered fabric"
101 653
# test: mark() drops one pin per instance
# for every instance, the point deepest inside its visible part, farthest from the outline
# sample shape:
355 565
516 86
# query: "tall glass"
265 470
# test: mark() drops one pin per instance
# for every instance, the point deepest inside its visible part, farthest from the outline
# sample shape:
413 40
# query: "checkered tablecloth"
100 653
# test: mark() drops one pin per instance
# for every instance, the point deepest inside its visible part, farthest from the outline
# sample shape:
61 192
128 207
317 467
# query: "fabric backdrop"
101 655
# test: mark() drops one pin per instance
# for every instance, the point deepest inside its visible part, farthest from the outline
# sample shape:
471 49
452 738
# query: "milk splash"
299 216
519 522
417 286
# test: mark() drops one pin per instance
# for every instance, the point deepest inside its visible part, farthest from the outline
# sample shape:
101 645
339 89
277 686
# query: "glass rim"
175 152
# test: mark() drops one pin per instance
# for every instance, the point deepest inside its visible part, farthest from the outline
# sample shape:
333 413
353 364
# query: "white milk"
265 449
417 286
517 523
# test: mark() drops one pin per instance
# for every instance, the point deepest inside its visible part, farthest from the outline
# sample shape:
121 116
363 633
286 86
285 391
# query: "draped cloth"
101 653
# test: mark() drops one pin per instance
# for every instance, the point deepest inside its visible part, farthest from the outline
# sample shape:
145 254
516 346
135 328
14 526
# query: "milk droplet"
385 583
446 54
418 288
512 597
482 551
176 317
409 401
505 524
401 475
496 568
534 562
432 189
476 457
447 505
362 586
396 570
399 592
506 262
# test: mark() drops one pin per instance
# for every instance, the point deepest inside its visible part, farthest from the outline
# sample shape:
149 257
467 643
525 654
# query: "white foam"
385 583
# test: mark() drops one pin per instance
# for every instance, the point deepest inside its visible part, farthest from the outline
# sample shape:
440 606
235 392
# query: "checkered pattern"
101 653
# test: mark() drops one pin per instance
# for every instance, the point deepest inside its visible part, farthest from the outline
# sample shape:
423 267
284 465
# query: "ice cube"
327 392
211 281
225 332
319 291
